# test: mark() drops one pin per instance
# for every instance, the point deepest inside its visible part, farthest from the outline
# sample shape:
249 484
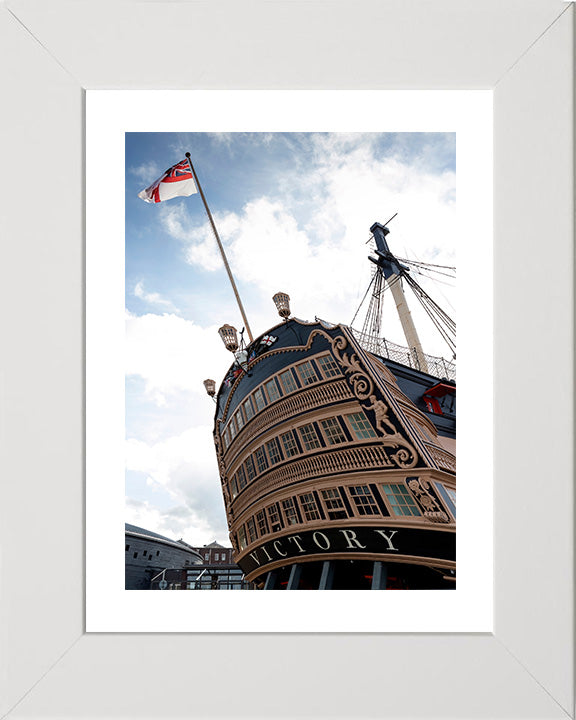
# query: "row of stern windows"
337 503
338 430
309 372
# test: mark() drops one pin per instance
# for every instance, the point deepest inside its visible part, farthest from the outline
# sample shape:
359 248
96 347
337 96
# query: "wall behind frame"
534 357
41 416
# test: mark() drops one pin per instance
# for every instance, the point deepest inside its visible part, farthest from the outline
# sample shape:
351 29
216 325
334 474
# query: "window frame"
252 535
232 429
288 451
448 496
274 384
250 468
291 514
304 377
242 543
302 430
241 478
273 442
309 506
360 506
405 492
329 510
355 432
248 404
261 460
335 426
290 374
259 394
274 509
320 359
262 527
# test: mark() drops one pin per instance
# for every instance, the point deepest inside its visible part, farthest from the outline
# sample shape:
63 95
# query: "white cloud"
147 172
200 246
319 256
176 523
152 298
184 466
172 354
161 459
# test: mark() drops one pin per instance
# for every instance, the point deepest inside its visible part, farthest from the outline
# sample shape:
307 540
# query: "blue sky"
293 211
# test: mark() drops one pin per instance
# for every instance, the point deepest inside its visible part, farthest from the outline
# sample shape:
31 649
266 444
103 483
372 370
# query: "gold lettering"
350 536
296 538
275 543
326 540
388 538
263 548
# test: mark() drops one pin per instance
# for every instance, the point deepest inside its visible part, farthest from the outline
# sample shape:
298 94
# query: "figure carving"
381 414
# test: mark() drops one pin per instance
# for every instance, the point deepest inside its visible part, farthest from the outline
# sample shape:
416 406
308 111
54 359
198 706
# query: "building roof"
143 531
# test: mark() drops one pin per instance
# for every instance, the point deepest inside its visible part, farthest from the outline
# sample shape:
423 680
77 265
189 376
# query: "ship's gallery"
333 478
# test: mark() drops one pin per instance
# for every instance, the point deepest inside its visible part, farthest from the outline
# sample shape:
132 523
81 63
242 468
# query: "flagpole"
230 276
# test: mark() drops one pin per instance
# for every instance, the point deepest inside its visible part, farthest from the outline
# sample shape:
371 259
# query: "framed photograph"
61 633
350 170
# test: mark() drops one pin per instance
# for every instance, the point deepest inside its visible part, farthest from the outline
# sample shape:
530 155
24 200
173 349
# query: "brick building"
215 554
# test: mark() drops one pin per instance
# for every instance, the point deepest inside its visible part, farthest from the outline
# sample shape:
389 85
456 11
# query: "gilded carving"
363 388
428 503
383 422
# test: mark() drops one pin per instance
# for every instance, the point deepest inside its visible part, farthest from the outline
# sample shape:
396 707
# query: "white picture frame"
52 53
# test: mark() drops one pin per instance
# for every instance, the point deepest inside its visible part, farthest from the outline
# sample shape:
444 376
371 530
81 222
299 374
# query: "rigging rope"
441 320
431 265
387 285
443 323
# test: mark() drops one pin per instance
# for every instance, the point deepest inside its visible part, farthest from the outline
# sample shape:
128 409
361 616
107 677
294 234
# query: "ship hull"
332 476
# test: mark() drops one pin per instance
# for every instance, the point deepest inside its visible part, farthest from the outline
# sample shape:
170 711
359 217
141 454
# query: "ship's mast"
391 269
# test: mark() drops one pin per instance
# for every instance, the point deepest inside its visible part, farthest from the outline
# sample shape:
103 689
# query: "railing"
312 397
437 366
355 459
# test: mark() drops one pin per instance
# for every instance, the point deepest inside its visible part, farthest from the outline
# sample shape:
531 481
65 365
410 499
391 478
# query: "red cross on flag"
177 181
268 340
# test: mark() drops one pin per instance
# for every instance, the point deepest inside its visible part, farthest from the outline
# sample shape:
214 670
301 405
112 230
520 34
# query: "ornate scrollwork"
362 384
404 459
428 503
363 388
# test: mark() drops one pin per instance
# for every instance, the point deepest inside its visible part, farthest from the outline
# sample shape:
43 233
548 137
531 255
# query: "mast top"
385 260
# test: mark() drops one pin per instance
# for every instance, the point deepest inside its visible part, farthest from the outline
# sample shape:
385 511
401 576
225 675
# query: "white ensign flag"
177 181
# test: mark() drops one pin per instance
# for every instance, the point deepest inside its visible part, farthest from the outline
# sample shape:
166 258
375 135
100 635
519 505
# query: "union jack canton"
177 181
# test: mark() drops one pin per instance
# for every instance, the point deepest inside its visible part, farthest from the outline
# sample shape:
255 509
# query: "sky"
293 211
